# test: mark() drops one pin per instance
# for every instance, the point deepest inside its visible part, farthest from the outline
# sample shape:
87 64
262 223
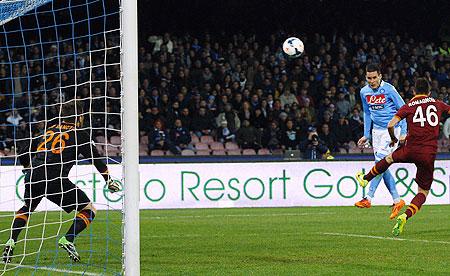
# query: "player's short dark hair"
70 110
422 86
373 67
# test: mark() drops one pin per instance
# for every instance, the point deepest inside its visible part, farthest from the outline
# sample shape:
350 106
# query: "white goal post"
130 152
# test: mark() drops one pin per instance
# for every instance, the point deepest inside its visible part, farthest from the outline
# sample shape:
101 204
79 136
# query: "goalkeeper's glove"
113 186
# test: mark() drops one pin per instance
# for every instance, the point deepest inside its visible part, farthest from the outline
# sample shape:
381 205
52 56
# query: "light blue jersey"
380 105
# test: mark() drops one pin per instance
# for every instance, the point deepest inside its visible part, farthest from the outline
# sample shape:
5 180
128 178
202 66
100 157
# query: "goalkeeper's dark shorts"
59 190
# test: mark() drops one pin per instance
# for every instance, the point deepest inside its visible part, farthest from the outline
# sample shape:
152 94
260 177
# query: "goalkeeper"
46 175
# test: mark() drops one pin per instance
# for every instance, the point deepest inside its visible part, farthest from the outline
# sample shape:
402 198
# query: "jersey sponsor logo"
376 107
376 99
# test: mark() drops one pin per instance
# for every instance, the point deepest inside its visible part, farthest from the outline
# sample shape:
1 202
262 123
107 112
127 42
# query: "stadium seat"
248 152
144 140
2 153
100 149
264 152
234 152
352 144
194 139
367 150
206 139
187 152
277 152
219 152
342 150
101 140
143 152
201 146
217 146
203 152
231 146
112 150
116 140
169 153
354 150
157 153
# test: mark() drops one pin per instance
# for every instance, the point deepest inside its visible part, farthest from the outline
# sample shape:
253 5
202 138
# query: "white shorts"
381 141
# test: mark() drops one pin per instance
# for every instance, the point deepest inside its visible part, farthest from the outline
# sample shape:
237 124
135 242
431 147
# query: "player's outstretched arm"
88 150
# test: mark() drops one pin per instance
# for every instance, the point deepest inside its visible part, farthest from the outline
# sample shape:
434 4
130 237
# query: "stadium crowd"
203 94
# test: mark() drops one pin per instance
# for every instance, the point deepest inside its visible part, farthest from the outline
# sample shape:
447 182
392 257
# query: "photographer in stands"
313 148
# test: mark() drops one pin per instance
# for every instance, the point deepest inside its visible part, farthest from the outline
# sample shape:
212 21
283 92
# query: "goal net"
52 53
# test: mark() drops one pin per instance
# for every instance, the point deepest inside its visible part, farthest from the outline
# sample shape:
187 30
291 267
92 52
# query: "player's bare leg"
82 220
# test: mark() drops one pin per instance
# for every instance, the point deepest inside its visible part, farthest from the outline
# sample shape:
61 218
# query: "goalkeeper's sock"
379 168
415 205
81 221
20 220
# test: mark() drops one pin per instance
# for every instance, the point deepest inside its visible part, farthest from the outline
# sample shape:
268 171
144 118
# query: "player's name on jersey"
63 126
422 101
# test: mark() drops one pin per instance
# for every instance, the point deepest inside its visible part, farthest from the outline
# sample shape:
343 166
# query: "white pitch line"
55 269
239 215
383 238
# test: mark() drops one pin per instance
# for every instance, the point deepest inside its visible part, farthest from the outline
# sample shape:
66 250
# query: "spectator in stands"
202 123
259 120
3 138
272 136
356 124
343 133
343 107
246 112
290 137
248 137
312 147
185 117
287 98
224 134
328 137
158 138
231 117
180 136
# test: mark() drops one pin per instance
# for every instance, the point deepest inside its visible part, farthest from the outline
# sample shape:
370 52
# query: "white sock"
396 200
369 198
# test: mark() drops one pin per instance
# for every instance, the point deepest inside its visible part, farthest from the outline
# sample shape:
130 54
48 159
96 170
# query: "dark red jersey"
423 114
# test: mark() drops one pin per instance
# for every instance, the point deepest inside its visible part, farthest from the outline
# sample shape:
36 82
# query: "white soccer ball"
293 47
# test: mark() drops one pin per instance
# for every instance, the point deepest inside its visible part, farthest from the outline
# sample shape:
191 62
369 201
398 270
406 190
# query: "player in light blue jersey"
380 102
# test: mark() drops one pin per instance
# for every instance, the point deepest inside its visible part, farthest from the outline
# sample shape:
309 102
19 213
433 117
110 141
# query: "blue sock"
373 186
389 181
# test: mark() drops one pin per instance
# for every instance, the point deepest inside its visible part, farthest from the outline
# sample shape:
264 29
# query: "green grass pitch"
258 241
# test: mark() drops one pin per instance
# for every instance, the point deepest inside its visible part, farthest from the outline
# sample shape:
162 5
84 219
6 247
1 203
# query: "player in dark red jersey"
47 172
423 114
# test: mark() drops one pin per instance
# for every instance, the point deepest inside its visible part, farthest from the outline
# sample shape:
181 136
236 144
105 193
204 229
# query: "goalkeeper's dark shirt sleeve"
26 150
88 150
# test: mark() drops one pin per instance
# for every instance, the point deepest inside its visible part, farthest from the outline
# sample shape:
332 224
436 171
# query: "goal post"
52 53
129 59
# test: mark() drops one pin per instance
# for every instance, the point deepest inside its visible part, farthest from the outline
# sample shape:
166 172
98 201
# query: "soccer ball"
293 47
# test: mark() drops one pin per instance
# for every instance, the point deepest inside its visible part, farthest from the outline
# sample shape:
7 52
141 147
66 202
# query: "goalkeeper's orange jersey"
61 145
